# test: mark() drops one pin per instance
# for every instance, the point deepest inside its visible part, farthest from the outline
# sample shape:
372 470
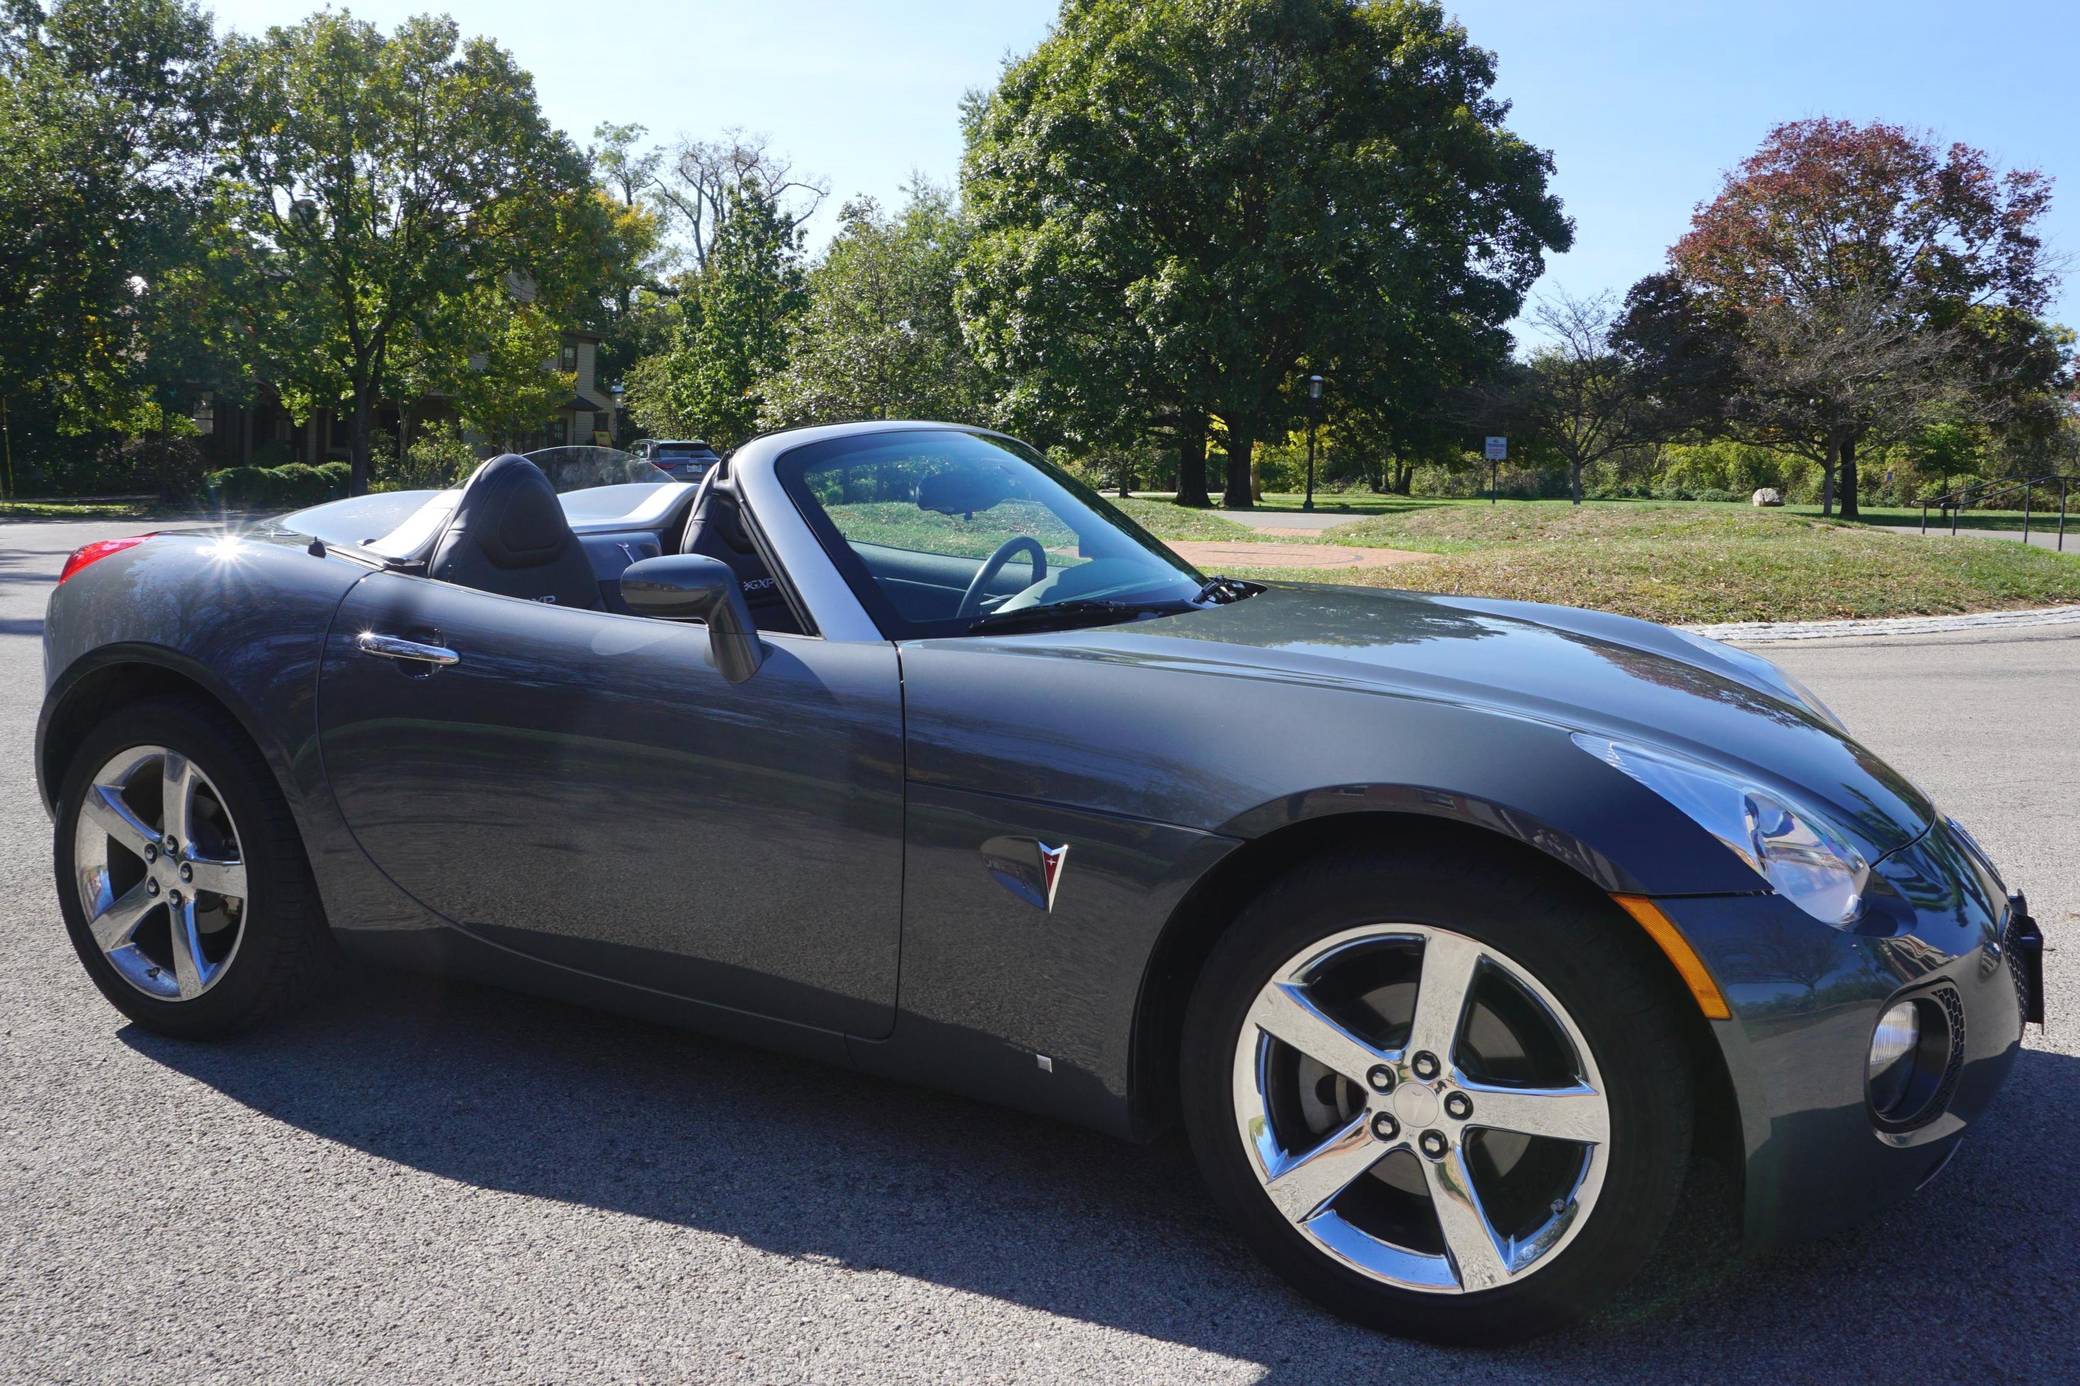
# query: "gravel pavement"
427 1182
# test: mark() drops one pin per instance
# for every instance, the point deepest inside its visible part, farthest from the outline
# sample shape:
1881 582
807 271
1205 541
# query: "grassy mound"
1168 520
1694 563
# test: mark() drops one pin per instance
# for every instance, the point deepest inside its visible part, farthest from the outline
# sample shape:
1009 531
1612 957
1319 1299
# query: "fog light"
1891 1067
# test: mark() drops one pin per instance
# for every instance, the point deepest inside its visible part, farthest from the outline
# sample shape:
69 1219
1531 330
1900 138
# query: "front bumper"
1805 999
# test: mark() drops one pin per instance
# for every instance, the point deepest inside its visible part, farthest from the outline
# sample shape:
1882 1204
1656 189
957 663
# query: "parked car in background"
687 459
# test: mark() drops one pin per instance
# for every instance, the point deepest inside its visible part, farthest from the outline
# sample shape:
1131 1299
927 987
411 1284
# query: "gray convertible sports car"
1450 928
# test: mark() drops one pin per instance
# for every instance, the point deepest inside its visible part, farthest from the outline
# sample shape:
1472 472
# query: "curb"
1771 632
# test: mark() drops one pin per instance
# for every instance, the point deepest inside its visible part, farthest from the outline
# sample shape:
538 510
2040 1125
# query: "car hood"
1589 671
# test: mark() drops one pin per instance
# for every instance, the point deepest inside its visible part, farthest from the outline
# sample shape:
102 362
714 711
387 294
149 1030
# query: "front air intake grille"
1953 1011
2015 955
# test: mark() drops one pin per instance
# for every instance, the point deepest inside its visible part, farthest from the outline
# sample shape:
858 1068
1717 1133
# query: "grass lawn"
71 510
1698 562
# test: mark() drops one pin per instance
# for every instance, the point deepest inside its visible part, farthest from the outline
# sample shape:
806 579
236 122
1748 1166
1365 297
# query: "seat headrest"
510 511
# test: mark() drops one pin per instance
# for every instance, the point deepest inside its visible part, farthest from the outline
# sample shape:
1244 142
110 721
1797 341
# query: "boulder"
1768 495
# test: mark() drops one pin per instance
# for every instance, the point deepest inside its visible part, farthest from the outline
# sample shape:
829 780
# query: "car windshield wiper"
1064 615
1222 590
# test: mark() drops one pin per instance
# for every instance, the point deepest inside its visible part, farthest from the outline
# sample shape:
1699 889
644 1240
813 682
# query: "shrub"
172 464
437 459
277 488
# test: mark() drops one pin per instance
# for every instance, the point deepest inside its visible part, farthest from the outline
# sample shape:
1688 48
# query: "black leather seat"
509 536
715 529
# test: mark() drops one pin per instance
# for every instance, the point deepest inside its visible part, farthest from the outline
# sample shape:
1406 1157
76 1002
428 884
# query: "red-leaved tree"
1831 221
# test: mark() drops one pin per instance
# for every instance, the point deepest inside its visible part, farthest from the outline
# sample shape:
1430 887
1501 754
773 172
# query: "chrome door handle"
394 647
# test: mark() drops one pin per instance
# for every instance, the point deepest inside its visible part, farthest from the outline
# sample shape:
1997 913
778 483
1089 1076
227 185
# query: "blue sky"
1643 102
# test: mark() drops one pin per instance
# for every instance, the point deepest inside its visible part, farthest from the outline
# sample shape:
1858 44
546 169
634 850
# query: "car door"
585 788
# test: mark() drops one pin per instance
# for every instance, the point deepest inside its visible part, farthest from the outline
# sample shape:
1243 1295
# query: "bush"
171 464
437 459
277 488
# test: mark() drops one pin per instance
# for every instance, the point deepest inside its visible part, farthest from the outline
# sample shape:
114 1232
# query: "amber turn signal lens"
1670 940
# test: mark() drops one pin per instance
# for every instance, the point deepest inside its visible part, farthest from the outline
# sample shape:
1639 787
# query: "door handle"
396 647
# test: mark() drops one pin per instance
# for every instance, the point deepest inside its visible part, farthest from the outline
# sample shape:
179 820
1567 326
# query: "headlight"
1794 849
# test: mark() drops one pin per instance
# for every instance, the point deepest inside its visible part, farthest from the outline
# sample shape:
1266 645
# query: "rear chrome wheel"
180 873
1419 1107
159 871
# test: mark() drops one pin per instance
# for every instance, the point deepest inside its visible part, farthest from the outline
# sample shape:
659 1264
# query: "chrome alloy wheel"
161 879
1421 1108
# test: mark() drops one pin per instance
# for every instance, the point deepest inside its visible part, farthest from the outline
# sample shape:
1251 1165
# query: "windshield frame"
790 468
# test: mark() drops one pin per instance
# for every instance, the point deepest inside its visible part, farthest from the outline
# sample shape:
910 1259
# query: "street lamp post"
1314 417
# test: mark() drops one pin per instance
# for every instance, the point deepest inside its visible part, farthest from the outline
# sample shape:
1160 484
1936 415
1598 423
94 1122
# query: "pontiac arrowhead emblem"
1052 860
1027 867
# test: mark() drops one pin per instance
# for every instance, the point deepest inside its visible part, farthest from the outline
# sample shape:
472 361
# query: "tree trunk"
1191 462
1404 477
364 402
1126 475
1827 478
1574 483
1242 443
1848 486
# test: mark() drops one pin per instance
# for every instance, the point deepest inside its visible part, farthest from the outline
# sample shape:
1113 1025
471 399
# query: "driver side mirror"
694 587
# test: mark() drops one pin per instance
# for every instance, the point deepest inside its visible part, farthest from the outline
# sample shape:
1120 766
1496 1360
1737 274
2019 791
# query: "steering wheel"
971 600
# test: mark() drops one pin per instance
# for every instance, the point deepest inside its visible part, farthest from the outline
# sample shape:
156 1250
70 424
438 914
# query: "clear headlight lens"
1794 849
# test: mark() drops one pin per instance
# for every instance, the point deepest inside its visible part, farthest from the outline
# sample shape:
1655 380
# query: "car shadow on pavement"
506 1092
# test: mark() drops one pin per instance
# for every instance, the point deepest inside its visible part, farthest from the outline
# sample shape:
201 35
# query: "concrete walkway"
1770 632
2046 538
1290 521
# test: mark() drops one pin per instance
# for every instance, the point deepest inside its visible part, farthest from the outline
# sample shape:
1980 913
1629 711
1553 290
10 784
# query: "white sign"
1498 450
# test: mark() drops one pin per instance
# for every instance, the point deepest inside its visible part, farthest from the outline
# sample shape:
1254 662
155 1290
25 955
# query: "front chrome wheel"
1421 1108
160 876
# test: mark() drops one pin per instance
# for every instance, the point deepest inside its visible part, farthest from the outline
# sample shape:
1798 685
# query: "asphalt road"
424 1182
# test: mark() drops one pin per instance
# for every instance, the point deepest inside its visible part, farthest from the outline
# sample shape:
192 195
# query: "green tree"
384 176
105 114
879 337
1179 203
732 333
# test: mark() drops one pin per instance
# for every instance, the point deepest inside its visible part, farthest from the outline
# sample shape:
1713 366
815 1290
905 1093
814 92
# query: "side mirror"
694 587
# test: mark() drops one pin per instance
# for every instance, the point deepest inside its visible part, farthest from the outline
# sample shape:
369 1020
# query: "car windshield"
581 468
945 533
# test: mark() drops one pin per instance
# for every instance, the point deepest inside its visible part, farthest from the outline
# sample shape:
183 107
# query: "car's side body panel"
993 985
585 788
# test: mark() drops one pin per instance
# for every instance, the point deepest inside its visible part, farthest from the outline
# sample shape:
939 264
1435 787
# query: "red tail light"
98 550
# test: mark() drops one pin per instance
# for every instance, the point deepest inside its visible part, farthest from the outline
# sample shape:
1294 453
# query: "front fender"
1240 752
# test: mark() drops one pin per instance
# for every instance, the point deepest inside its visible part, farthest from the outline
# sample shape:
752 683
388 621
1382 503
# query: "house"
264 434
589 416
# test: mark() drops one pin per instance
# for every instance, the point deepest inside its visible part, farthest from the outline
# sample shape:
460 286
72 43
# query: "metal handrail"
1953 503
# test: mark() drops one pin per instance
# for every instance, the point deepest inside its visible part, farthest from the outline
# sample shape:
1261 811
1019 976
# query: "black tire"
1586 953
286 943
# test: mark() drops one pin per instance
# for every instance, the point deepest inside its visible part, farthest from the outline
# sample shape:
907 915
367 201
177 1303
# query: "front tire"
1439 1099
180 873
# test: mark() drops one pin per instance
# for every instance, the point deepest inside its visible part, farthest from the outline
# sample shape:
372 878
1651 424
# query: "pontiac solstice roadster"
1449 928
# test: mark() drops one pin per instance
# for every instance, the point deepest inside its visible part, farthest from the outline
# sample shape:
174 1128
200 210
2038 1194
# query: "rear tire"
1376 1225
197 924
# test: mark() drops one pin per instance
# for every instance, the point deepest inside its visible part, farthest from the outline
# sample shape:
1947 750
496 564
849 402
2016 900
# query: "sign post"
1497 451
